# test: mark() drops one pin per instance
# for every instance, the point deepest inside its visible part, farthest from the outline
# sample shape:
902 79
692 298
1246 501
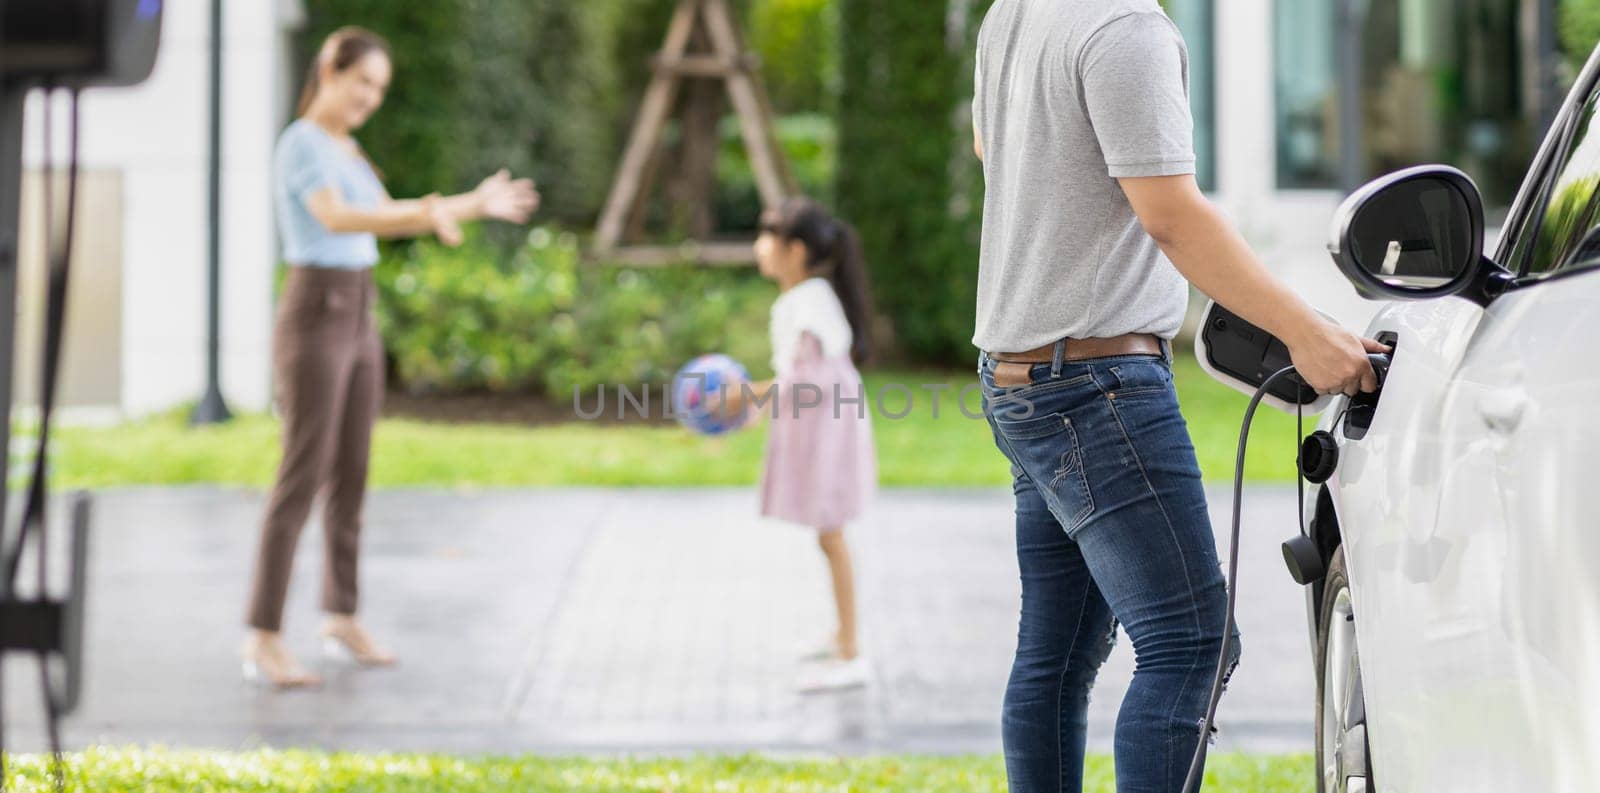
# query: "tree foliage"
531 85
907 177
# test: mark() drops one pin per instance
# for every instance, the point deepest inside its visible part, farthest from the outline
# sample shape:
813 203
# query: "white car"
1452 557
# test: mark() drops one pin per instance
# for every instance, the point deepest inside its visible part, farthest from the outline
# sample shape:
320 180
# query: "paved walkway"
591 620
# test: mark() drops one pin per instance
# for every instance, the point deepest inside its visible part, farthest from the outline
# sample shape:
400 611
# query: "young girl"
821 469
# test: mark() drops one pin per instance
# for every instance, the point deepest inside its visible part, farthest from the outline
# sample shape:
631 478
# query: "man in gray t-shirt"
1093 229
1088 93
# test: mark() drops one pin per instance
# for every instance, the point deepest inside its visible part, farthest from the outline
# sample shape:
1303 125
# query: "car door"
1470 525
1524 404
1526 397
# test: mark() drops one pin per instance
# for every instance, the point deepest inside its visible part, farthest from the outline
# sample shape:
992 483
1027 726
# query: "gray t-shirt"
1069 97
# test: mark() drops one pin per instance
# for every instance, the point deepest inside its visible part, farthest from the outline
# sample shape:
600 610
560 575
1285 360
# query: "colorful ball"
700 380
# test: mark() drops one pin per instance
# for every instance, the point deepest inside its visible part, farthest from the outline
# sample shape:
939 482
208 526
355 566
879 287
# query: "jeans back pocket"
1046 449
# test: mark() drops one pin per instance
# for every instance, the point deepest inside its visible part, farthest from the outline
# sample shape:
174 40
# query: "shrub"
546 322
455 319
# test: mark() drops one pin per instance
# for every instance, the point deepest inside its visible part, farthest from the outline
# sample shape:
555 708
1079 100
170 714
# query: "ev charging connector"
1236 352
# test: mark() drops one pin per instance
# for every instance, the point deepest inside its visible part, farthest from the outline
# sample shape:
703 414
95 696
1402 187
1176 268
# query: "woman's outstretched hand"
502 198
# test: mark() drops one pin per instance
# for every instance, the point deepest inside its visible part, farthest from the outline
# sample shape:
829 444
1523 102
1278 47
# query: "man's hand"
1333 360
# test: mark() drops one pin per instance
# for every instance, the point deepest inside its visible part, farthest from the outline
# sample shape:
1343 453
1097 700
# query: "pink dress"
821 469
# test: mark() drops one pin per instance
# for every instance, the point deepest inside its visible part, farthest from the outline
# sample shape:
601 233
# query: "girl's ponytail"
849 279
833 250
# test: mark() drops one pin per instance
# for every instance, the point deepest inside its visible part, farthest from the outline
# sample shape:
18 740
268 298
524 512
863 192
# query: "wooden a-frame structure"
703 41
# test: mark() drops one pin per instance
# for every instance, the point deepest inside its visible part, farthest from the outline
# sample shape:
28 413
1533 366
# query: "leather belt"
1085 349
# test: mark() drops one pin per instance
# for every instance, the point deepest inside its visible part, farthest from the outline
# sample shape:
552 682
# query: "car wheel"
1343 758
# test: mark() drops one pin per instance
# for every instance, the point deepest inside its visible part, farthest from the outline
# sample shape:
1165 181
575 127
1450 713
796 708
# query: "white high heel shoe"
291 676
336 648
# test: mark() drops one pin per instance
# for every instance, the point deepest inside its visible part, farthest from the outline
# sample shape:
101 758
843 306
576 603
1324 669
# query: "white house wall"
155 134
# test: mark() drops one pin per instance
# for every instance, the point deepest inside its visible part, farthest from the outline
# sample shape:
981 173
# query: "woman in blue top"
327 357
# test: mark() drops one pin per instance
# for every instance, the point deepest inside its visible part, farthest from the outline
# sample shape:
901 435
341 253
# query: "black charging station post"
68 44
13 96
40 624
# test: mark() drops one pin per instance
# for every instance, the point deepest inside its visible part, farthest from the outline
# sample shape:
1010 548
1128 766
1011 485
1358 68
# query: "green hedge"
543 321
907 177
798 41
532 85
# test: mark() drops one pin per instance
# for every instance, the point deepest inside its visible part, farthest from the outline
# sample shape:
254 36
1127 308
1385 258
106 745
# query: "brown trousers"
327 360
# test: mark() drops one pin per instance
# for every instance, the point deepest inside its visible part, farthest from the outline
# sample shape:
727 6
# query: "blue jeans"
1112 528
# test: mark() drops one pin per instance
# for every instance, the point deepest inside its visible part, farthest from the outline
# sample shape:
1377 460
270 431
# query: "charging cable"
1380 366
58 256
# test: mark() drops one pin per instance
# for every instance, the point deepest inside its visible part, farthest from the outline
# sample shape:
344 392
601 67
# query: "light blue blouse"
307 160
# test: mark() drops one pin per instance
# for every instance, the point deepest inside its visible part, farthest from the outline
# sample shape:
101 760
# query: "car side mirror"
1414 234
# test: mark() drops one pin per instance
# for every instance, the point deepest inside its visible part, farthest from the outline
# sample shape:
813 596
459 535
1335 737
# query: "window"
1434 81
1196 19
1307 112
1442 81
1566 225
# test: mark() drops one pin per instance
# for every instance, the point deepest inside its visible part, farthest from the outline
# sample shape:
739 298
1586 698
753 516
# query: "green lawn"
919 450
127 771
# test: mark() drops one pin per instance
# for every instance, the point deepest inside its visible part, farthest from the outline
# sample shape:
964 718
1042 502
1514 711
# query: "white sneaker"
836 675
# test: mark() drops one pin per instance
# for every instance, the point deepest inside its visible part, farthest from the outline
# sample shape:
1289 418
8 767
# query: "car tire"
1343 748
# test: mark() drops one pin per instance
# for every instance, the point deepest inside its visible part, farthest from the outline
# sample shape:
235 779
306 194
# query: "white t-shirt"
810 306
